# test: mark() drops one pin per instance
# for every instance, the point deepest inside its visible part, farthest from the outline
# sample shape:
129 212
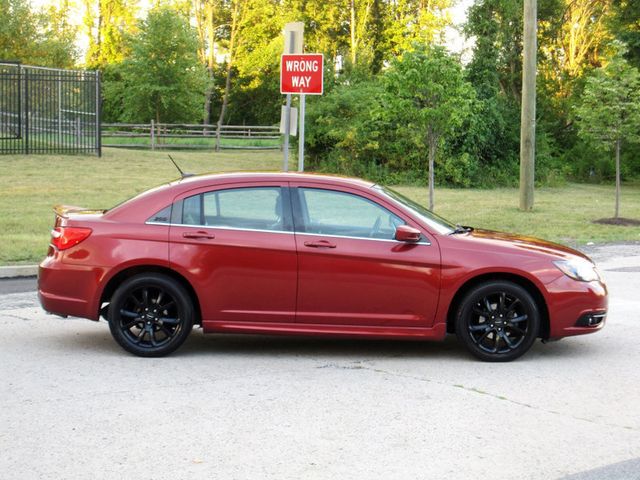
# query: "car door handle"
320 244
198 234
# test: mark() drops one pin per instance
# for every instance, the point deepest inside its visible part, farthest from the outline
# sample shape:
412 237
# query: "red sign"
302 73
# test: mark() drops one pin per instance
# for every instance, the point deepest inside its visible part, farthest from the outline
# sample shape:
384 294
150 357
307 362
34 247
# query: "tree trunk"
210 61
353 32
617 178
227 86
98 58
433 145
223 109
208 94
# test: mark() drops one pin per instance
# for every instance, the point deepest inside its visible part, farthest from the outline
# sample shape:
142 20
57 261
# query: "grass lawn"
31 185
563 214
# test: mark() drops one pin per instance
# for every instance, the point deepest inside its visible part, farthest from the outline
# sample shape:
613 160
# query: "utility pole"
528 112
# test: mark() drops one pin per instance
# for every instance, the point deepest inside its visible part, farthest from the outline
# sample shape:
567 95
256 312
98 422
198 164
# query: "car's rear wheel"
150 315
498 321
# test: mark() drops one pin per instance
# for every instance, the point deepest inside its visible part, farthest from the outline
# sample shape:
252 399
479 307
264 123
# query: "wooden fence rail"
184 135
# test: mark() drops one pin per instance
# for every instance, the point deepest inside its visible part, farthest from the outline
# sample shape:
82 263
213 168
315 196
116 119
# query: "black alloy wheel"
150 315
498 321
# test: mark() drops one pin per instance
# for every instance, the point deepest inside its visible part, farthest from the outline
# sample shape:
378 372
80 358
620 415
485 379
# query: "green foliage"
428 93
43 38
108 24
345 135
162 79
625 24
383 128
610 106
256 97
367 123
609 113
113 91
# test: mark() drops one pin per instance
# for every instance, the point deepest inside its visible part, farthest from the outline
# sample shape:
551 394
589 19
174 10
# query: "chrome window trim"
422 242
221 227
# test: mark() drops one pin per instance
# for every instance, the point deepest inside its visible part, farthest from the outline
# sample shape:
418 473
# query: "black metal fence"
46 110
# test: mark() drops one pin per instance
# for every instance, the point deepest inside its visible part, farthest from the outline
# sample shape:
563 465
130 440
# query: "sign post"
302 74
293 43
303 98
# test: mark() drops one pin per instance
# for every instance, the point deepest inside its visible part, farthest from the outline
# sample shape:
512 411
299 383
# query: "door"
236 245
351 271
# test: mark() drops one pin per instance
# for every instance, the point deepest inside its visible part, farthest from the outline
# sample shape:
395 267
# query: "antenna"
182 174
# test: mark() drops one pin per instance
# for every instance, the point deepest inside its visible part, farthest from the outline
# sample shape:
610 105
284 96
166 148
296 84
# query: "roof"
207 179
156 198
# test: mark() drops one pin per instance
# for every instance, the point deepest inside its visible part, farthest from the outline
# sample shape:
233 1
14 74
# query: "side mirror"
405 233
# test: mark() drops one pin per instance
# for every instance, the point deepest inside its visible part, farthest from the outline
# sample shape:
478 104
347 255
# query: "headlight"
578 269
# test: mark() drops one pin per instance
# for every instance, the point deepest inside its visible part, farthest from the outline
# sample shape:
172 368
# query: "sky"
454 39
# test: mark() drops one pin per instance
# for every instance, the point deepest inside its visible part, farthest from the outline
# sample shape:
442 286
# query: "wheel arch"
520 280
129 272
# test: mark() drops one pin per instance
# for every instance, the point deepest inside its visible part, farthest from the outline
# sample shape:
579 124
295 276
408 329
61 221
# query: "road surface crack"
477 391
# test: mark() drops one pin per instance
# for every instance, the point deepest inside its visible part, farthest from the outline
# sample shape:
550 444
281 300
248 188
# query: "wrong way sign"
302 73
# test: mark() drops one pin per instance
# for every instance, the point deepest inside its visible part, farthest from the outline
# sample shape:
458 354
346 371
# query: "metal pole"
301 134
287 112
60 107
98 116
27 106
287 127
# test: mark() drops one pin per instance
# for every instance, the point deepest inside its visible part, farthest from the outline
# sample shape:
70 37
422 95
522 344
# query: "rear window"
163 216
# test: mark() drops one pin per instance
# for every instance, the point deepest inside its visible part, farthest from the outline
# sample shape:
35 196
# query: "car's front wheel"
497 321
150 315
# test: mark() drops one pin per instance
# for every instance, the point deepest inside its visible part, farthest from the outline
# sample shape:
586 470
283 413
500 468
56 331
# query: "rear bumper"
572 303
65 289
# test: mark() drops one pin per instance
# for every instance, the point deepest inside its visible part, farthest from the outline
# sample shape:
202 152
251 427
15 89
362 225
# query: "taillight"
67 237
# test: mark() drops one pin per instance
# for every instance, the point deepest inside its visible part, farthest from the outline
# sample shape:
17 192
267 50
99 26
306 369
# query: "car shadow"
235 345
351 348
327 347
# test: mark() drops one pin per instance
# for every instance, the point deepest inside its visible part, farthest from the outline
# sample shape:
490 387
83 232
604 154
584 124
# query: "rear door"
235 243
351 271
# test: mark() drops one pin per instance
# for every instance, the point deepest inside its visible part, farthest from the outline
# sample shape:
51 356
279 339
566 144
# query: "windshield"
437 223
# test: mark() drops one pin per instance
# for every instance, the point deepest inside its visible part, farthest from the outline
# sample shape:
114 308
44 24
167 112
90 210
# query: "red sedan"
313 255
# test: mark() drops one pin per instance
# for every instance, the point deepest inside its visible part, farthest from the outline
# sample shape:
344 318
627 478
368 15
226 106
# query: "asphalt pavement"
74 405
18 285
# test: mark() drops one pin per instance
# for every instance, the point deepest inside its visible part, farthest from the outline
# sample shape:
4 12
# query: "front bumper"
576 308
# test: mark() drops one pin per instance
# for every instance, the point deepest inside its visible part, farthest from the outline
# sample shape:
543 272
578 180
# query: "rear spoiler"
63 211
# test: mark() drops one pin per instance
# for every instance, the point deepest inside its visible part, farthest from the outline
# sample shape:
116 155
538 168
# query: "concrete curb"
18 271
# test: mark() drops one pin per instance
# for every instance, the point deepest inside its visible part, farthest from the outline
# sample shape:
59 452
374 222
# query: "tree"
411 21
625 24
427 85
211 16
108 23
238 10
609 113
163 79
57 36
42 38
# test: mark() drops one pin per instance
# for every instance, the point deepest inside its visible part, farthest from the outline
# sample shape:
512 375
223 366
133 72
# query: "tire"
497 321
150 315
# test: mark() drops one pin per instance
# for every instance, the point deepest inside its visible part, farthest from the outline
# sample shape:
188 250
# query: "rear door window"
250 208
